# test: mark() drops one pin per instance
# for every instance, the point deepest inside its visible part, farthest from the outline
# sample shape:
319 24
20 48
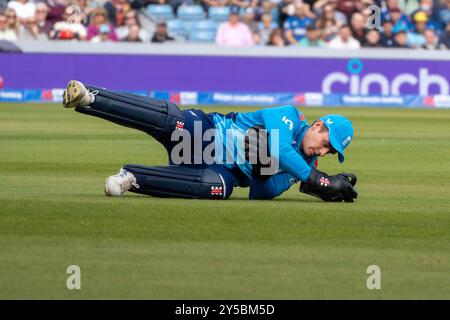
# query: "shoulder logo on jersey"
289 123
329 122
302 118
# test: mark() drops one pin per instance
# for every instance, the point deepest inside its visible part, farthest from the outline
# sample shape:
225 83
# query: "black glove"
336 188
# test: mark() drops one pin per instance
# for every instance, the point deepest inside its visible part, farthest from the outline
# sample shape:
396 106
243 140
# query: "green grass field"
53 214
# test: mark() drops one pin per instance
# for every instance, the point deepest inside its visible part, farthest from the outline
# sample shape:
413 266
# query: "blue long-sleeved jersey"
291 125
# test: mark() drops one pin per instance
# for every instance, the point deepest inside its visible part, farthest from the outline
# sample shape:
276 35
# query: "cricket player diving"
267 151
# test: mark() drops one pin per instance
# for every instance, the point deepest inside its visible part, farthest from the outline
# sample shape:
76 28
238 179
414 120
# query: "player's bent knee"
216 185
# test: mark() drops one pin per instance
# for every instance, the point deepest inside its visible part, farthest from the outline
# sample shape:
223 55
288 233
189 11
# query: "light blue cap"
340 131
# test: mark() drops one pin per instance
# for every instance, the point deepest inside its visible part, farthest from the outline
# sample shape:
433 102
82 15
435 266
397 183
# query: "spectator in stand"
116 10
133 34
86 7
161 35
358 26
367 15
387 37
431 22
131 25
103 34
347 7
444 39
99 18
328 8
295 25
328 23
276 38
12 23
427 7
286 8
344 40
56 9
444 14
69 29
234 33
312 39
400 20
431 41
249 18
43 25
5 32
23 8
401 40
373 39
416 37
364 4
308 11
263 6
391 4
269 7
265 28
29 30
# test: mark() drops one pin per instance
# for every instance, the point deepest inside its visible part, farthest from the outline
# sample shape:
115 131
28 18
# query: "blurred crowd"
336 24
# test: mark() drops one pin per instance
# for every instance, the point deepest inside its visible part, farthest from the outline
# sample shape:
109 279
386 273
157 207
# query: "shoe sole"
73 94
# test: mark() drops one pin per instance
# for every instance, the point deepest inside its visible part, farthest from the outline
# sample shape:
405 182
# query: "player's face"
316 141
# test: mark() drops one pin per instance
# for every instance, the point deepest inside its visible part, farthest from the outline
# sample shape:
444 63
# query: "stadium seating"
206 36
160 12
207 25
176 28
203 31
190 13
219 14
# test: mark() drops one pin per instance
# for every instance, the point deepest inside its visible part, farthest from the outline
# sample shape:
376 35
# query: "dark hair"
276 31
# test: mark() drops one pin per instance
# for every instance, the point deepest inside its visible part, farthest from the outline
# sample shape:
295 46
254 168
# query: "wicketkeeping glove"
336 188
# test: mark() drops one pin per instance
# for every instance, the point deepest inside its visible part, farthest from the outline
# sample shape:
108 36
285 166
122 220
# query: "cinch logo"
376 81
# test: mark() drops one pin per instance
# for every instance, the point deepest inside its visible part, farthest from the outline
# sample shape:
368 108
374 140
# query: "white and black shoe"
117 185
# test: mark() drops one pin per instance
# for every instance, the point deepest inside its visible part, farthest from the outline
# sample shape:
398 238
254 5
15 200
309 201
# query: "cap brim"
336 146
